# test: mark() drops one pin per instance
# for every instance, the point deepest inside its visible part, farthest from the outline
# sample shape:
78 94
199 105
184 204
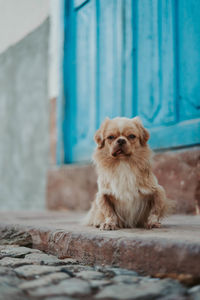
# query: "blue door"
127 58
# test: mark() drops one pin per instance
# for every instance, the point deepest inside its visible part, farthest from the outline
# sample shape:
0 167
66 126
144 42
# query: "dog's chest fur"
122 184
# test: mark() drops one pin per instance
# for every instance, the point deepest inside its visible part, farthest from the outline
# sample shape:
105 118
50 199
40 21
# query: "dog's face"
121 137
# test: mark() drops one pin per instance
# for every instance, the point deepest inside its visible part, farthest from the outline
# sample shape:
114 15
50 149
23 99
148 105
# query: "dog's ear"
143 132
98 137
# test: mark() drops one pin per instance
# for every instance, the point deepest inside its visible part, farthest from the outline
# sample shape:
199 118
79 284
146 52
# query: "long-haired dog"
128 192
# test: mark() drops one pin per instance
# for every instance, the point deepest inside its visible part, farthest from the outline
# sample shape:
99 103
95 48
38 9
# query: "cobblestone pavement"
27 273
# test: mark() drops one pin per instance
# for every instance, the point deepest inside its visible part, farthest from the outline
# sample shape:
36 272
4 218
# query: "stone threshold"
74 186
171 251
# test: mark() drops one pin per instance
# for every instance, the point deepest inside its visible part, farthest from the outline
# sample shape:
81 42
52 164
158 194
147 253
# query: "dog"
128 192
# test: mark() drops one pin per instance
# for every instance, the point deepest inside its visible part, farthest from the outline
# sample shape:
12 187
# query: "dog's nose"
121 141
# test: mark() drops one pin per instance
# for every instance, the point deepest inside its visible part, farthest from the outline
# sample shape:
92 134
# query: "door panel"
189 58
110 51
85 80
156 62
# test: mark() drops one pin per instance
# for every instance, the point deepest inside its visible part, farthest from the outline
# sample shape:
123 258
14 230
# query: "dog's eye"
111 137
131 136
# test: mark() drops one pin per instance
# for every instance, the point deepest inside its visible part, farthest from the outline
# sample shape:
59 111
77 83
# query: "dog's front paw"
153 225
153 222
108 225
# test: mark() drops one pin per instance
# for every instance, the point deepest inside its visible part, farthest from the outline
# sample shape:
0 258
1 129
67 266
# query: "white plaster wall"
24 119
20 17
31 37
55 46
24 103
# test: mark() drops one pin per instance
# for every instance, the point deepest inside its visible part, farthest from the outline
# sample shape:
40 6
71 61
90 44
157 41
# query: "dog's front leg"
159 208
160 202
109 220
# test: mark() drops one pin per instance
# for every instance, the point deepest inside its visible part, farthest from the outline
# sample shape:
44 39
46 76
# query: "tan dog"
128 192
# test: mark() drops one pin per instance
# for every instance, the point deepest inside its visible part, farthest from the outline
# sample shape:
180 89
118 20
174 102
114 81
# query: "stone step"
74 186
171 251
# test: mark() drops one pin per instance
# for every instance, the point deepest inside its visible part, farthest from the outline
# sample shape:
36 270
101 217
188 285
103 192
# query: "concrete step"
74 186
171 251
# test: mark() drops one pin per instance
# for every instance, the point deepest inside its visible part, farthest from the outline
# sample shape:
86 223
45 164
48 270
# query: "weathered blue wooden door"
127 58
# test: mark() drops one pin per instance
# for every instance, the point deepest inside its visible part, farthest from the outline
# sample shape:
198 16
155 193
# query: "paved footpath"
27 273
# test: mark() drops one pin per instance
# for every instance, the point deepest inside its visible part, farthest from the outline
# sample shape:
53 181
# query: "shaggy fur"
128 192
